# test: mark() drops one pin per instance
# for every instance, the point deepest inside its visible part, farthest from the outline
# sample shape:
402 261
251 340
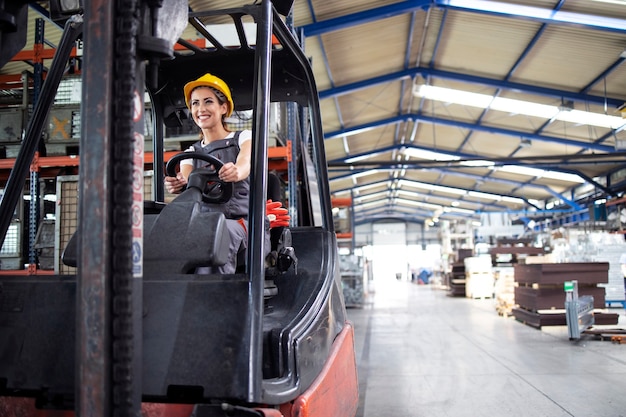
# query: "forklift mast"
133 332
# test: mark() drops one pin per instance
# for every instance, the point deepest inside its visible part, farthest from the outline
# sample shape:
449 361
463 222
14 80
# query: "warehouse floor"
421 353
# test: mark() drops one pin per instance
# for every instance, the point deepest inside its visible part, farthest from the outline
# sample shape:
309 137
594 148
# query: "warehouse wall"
396 249
409 233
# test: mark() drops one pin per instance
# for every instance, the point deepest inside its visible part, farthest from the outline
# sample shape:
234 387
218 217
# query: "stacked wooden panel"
455 279
540 296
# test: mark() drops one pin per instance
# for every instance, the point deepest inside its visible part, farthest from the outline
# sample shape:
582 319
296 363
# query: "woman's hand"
230 173
175 185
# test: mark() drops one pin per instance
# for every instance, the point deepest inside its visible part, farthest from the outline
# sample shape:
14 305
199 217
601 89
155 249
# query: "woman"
210 103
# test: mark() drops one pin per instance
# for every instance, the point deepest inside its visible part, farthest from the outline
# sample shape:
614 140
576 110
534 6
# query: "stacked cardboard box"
504 290
478 277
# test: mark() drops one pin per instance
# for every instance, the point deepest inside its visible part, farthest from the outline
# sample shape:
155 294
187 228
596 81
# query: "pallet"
617 336
620 340
480 297
504 308
538 320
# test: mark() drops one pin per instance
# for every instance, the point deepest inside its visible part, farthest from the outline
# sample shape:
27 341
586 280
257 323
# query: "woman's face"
206 109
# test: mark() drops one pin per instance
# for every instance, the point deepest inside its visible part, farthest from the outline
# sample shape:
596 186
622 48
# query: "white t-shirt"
244 136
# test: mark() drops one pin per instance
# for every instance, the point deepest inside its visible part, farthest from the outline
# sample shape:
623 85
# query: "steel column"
35 189
258 183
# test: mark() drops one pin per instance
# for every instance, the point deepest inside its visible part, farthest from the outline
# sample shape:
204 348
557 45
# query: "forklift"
136 331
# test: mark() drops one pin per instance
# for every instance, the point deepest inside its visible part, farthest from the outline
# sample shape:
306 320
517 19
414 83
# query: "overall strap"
218 144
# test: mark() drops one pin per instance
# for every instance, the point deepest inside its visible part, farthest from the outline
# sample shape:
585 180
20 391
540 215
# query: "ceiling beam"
391 217
536 14
366 16
424 196
474 79
351 172
387 212
415 117
451 171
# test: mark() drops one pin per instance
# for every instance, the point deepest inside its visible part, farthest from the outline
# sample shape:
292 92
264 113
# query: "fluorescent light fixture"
515 169
372 204
544 14
406 210
419 204
348 133
378 195
363 187
442 156
620 2
495 197
431 187
535 172
357 159
341 192
479 194
544 111
478 163
458 210
429 155
365 173
580 117
407 194
363 157
513 200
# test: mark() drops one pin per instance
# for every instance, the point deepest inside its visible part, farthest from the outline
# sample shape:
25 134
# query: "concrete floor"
423 353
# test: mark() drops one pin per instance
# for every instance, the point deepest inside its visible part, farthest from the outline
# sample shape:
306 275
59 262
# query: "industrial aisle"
423 353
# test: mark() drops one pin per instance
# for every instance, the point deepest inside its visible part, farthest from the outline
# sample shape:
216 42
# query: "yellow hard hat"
210 80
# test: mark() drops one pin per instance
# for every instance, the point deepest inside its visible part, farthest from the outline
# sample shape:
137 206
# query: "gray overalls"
226 150
236 209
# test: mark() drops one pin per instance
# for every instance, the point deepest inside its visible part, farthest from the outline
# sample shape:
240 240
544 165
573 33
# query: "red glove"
277 214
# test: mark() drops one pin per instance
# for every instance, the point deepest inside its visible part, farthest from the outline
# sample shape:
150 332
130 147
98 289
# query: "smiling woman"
210 103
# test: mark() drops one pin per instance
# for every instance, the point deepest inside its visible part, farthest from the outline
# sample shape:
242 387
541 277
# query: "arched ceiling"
453 108
403 151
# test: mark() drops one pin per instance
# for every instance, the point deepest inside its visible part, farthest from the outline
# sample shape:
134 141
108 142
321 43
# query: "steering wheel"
212 188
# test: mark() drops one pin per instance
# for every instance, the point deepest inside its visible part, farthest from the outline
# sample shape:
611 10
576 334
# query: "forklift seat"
178 238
